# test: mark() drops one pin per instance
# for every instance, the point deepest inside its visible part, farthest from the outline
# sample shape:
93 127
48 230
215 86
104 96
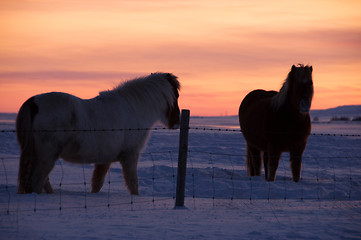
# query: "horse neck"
289 111
282 103
283 99
152 117
280 100
148 112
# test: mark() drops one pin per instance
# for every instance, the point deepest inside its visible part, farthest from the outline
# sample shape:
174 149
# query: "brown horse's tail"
24 132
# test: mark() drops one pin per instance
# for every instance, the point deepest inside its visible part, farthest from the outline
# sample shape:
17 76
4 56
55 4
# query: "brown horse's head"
302 90
297 90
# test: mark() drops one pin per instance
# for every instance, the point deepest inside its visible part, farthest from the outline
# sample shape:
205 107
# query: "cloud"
215 47
66 75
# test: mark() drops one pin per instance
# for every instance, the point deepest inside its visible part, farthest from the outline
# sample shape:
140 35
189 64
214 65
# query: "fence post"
182 158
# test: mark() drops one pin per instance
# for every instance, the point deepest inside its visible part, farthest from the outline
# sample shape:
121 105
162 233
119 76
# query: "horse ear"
311 69
293 68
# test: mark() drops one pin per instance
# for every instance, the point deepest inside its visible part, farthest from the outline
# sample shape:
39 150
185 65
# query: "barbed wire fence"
74 192
219 176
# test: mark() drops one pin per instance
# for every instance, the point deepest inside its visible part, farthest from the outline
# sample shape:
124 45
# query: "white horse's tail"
24 131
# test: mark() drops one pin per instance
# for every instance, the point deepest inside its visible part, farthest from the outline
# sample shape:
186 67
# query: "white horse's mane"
160 88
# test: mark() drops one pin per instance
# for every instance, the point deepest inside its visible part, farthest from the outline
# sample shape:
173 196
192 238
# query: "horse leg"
25 172
254 161
47 186
265 164
296 164
130 172
40 176
273 158
100 170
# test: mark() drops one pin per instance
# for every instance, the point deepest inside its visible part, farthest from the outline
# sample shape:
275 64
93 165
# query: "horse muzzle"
175 126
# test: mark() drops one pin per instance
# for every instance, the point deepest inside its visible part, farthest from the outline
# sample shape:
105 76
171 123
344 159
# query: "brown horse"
275 122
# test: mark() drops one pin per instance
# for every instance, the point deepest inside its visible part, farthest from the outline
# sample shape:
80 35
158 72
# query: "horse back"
253 113
253 98
257 99
56 111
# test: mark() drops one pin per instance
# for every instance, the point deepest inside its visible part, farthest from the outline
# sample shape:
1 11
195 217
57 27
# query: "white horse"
54 125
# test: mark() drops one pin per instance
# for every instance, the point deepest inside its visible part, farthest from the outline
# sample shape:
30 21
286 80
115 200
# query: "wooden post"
182 158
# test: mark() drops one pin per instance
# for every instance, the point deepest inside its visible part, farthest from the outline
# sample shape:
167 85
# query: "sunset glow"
220 50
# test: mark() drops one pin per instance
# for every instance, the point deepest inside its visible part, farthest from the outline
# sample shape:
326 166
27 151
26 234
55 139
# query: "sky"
219 49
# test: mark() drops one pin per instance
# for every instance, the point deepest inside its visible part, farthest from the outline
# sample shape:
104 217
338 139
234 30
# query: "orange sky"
220 50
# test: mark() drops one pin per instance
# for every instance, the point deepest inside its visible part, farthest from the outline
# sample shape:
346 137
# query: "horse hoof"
271 179
296 179
134 192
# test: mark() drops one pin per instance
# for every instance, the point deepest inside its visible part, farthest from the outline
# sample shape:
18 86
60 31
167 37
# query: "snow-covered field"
222 202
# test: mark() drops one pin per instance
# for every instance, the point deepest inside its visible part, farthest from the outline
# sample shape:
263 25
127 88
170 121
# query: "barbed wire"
217 177
161 128
231 174
88 130
82 185
239 130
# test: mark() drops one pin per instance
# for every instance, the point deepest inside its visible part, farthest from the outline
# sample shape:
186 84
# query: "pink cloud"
49 75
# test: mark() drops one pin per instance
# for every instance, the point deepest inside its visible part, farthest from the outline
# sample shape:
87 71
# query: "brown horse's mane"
280 98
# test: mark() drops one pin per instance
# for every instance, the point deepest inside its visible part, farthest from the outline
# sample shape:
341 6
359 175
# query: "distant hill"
349 111
8 116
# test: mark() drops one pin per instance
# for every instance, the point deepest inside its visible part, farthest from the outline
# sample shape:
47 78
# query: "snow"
221 202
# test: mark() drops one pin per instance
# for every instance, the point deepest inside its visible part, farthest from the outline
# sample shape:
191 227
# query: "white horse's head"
172 116
154 98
